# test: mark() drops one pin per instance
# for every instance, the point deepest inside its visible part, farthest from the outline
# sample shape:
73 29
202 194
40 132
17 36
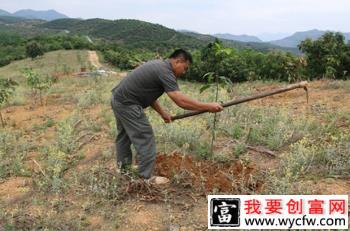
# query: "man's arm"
188 103
163 113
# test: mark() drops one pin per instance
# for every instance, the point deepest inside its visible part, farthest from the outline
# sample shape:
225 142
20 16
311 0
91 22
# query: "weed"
66 136
272 128
88 99
47 124
13 151
102 183
54 163
239 149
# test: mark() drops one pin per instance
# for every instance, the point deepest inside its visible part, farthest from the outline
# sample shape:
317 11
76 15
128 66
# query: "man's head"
180 61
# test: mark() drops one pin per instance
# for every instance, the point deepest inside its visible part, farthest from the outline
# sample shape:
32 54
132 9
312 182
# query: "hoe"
250 98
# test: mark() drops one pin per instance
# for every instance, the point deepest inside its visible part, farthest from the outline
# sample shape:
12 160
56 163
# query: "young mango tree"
37 83
7 88
215 53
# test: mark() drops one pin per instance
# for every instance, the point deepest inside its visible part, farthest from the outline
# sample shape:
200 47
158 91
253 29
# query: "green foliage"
33 50
215 53
13 152
15 47
273 128
337 156
66 136
131 34
121 59
59 156
11 48
37 83
308 157
7 88
55 163
327 57
246 64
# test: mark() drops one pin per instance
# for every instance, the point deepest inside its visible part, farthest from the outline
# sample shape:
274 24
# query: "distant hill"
20 22
4 13
11 19
295 39
23 26
241 38
259 46
47 15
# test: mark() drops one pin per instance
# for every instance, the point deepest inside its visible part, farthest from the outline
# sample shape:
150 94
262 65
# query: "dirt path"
93 58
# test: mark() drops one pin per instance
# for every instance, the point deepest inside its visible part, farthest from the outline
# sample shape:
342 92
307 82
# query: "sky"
268 19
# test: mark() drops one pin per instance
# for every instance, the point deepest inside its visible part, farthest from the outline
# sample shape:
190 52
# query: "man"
140 89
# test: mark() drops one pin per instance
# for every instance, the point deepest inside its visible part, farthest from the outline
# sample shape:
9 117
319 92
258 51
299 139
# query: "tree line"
326 57
15 47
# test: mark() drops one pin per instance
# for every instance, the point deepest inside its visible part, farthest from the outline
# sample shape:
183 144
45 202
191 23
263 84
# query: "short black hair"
181 53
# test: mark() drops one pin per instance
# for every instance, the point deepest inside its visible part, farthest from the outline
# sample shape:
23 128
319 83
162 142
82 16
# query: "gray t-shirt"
146 83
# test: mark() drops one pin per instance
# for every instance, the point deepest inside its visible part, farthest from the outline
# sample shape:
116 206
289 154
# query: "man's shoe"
158 180
134 167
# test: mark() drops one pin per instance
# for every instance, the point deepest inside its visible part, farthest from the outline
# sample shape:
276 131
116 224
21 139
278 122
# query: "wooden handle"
246 99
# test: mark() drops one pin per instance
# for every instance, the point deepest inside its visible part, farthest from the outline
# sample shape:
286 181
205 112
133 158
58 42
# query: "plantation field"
57 160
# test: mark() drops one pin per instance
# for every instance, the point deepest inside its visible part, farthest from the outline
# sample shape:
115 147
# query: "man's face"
180 67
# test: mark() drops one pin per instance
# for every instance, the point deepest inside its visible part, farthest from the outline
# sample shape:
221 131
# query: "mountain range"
47 15
139 32
296 38
291 41
241 38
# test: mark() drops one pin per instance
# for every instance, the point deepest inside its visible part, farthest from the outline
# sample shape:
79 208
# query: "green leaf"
209 77
203 88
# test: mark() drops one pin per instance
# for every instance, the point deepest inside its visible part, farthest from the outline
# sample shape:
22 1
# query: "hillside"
24 27
140 34
295 39
19 21
127 32
50 63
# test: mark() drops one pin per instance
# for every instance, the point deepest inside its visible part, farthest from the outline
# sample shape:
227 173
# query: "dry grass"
60 157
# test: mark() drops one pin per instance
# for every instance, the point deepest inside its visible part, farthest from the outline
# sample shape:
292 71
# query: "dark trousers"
134 128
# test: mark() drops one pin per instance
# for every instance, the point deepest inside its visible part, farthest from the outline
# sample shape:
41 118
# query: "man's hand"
214 107
163 113
166 117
